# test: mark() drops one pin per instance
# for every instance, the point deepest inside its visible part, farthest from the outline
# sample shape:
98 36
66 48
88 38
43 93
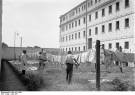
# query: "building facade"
110 21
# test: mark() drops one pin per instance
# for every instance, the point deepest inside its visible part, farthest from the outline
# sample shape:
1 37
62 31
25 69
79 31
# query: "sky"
36 21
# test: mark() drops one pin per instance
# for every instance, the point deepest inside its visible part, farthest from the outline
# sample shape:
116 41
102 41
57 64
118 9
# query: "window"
96 15
91 2
126 3
79 10
75 35
103 28
89 17
110 46
79 35
84 48
117 45
88 4
60 20
79 22
69 37
66 49
110 9
66 27
75 23
89 32
95 1
72 49
76 11
84 20
110 27
126 22
84 34
72 36
117 25
126 45
69 49
66 38
84 7
79 48
103 12
63 39
96 30
75 48
72 24
117 6
69 26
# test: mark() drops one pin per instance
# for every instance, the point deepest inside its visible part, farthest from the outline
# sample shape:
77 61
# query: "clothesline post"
98 65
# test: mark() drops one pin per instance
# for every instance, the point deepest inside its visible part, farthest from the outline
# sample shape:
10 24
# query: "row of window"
110 26
126 46
79 9
110 8
71 25
73 36
74 49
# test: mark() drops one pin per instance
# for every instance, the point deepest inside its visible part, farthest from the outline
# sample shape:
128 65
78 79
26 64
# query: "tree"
4 45
36 47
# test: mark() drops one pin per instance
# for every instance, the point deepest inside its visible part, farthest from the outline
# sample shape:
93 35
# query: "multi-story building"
110 21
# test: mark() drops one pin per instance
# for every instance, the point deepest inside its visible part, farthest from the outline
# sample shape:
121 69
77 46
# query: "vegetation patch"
120 85
31 81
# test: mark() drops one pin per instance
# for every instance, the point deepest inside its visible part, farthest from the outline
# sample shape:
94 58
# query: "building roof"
72 9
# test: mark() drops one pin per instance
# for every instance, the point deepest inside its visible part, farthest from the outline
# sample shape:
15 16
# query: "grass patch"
33 82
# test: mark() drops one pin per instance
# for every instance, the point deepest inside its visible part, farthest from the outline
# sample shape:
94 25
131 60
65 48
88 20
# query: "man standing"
42 59
70 60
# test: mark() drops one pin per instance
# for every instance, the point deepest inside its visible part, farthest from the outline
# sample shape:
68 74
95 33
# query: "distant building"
110 21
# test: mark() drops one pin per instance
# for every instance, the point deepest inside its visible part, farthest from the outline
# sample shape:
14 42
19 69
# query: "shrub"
33 82
119 85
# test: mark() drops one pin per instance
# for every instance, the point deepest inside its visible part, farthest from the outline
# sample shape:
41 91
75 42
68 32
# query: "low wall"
10 53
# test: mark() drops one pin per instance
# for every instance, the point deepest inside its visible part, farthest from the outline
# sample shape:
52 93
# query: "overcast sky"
37 21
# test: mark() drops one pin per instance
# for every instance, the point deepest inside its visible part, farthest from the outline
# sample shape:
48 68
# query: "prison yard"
53 76
113 75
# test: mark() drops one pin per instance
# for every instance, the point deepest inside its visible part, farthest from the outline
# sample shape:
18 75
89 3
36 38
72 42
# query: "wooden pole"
14 45
98 65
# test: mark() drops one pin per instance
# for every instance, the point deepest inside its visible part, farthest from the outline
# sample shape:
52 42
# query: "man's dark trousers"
69 72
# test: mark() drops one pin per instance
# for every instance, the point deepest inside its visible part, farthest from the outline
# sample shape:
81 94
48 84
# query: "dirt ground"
83 77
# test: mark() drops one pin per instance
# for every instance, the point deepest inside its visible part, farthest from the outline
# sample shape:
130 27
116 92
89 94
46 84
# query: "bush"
33 82
119 85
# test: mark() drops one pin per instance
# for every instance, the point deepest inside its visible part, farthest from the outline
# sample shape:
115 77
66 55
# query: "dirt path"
10 81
